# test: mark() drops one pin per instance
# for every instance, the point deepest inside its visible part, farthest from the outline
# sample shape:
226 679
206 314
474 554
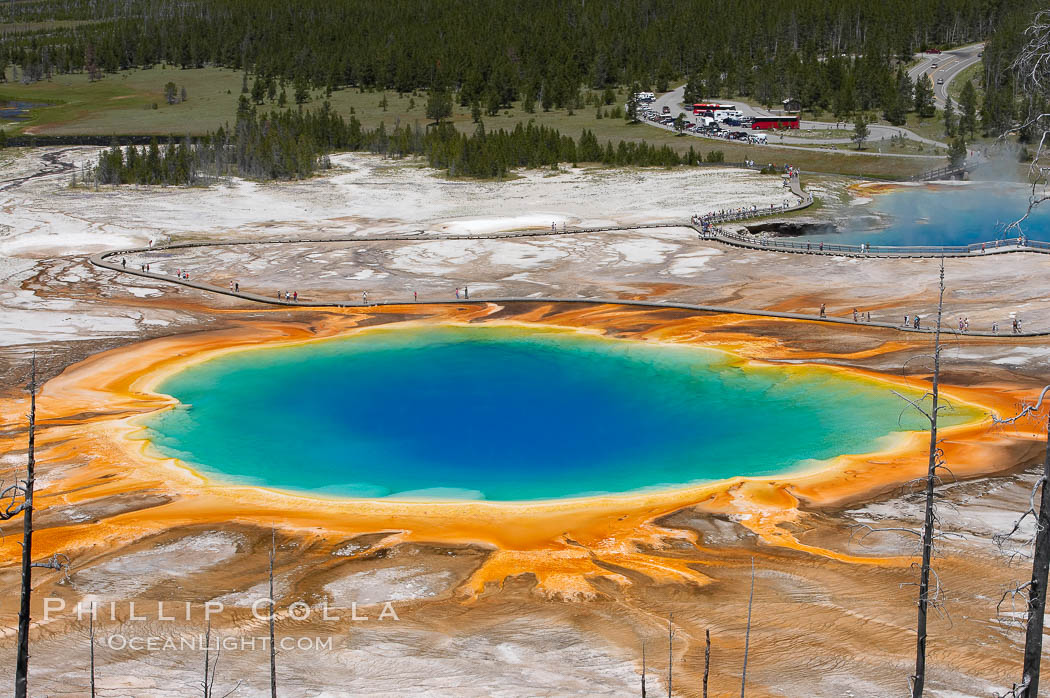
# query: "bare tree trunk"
747 634
1033 644
919 679
707 659
22 659
670 657
207 660
91 637
273 650
643 668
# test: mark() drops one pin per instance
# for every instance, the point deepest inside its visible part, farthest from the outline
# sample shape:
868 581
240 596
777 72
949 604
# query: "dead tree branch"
747 633
1033 591
707 658
22 653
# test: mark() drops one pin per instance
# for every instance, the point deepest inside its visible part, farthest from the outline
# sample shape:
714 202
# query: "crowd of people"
706 220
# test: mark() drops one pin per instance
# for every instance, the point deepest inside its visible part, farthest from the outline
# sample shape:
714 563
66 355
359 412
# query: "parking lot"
728 124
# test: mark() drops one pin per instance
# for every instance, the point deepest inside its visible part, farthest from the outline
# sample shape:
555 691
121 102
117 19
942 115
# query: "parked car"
667 110
933 50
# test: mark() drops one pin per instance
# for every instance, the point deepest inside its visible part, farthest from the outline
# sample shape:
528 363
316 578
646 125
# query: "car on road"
933 50
934 64
940 81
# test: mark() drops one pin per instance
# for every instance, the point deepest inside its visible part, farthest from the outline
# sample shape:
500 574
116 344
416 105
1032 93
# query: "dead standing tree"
643 668
211 668
670 656
273 648
919 679
929 583
707 658
19 500
747 635
1035 588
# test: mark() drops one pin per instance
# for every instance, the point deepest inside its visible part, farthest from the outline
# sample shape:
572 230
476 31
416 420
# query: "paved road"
949 65
673 100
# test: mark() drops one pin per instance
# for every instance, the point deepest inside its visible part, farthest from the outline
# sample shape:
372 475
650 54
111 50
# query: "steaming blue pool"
943 215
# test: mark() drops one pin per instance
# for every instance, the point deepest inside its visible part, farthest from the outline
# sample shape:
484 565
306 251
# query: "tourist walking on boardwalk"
415 295
466 293
236 286
364 297
457 293
915 322
124 262
295 296
995 327
823 310
854 315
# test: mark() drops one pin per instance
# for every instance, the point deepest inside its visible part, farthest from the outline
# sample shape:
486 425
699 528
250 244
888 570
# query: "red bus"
769 123
701 107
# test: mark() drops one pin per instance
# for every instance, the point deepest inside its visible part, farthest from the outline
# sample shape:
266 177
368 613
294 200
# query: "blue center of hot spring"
509 414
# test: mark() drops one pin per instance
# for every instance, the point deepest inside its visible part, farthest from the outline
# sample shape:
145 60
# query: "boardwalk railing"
946 172
744 213
977 249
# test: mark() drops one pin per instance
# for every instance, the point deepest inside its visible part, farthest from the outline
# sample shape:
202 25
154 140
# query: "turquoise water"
945 215
507 414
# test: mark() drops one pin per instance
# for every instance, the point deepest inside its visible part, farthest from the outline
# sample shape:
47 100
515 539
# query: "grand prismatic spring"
510 414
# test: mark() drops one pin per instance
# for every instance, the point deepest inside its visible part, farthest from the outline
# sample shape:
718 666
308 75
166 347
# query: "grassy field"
971 74
123 103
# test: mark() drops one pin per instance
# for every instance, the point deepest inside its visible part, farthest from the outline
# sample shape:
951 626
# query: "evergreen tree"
957 151
845 101
258 91
860 131
924 103
302 90
949 118
968 109
632 104
664 75
439 105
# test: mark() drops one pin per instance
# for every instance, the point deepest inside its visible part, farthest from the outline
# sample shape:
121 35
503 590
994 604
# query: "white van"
759 138
722 115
